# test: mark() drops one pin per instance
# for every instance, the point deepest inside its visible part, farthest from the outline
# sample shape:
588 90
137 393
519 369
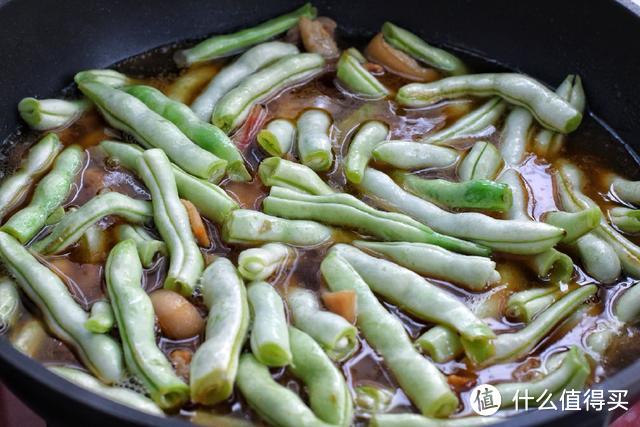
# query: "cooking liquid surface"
590 147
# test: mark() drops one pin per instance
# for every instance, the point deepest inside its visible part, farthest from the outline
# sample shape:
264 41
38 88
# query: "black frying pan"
44 42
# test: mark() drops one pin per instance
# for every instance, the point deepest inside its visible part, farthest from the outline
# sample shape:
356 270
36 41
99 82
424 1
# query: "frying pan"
44 42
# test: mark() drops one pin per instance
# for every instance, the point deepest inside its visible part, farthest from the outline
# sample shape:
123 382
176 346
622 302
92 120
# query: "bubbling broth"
591 148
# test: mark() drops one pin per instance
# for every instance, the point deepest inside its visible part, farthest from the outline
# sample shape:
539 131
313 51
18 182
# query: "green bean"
101 319
625 190
127 113
550 110
512 346
225 44
250 227
575 224
472 272
39 159
524 306
342 209
212 201
75 223
50 114
625 219
419 49
147 245
420 379
275 171
473 194
28 337
372 398
260 263
415 420
277 138
204 134
9 303
598 341
547 142
627 251
413 155
269 335
355 78
553 265
50 193
441 343
414 294
276 404
517 237
626 307
483 161
215 363
107 77
515 136
329 397
334 334
314 140
231 75
470 124
572 374
134 315
117 394
93 245
361 149
171 219
64 317
233 108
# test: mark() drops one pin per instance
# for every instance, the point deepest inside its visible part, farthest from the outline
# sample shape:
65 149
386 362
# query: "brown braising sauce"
591 148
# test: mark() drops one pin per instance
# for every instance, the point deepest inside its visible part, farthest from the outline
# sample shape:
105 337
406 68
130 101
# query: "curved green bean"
355 78
276 404
244 226
549 109
101 318
425 385
413 155
361 149
39 159
472 272
212 201
107 77
415 420
514 345
515 136
231 75
50 114
483 161
572 374
553 265
275 171
420 50
524 306
269 336
134 315
627 220
441 343
65 318
50 193
625 190
147 245
171 219
277 138
576 224
9 303
233 108
345 210
120 395
204 134
314 140
260 263
74 224
414 294
129 114
470 124
519 237
473 194
215 364
334 334
225 44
